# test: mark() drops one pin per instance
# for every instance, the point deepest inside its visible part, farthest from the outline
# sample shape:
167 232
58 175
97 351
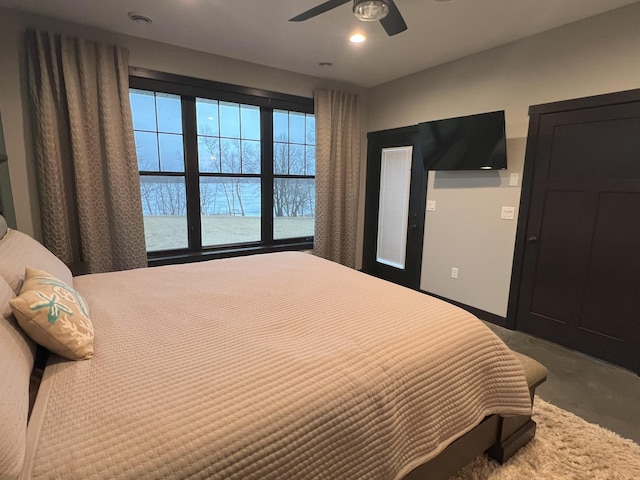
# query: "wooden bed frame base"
482 439
498 437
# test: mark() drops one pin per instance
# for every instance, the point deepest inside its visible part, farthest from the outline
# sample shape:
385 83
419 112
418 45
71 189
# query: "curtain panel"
337 174
85 152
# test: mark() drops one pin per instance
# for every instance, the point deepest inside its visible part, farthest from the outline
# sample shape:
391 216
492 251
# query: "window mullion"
266 169
190 132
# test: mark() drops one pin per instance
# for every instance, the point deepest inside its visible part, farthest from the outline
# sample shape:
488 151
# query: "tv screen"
474 142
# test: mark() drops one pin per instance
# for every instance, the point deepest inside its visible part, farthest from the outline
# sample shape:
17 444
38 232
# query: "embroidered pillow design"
54 315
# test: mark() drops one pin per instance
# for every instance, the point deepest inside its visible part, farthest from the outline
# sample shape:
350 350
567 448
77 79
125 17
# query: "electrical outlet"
431 205
507 213
454 272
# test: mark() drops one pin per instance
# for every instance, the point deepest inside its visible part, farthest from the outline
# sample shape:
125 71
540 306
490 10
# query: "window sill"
171 258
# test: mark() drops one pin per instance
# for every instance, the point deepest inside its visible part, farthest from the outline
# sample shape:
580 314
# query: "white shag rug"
565 447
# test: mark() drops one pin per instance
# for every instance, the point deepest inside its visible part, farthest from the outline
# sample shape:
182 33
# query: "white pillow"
19 251
17 355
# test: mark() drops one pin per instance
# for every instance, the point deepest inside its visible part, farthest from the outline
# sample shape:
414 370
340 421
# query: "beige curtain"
337 174
85 152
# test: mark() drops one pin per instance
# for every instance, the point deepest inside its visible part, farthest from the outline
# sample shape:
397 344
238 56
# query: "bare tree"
293 197
160 195
230 161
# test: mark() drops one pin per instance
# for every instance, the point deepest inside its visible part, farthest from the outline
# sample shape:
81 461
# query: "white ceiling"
258 31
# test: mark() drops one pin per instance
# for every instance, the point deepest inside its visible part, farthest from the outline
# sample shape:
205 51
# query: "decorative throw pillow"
54 315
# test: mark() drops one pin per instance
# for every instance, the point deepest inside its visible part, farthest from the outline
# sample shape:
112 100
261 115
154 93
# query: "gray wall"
597 55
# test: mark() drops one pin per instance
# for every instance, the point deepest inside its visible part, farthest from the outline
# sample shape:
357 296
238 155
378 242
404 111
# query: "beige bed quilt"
277 366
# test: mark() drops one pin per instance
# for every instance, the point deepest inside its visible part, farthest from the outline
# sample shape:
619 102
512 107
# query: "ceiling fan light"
370 10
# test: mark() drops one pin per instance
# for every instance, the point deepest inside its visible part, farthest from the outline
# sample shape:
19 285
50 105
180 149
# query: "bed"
273 366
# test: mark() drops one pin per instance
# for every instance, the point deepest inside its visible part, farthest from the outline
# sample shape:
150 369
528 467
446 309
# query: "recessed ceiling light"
357 38
139 18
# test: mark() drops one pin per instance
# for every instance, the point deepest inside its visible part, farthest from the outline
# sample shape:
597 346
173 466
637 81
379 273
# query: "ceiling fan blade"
317 10
393 23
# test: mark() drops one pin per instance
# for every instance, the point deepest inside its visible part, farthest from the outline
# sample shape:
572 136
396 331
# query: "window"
222 168
294 168
229 172
159 147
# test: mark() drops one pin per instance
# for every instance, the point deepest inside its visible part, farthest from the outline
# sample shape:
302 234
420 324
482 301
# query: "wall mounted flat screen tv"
473 142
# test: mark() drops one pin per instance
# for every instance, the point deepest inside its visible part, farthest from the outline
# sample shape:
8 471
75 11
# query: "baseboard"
481 314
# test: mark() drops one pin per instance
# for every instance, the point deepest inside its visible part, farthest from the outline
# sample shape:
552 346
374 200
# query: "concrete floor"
597 391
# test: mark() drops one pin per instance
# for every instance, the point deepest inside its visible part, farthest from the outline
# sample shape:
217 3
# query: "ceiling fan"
366 10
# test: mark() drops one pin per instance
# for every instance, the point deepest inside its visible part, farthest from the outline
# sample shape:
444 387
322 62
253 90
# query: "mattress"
272 366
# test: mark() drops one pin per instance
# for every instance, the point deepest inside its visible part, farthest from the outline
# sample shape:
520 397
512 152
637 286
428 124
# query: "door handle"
532 239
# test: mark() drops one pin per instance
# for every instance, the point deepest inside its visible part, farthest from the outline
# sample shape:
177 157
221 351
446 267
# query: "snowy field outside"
168 232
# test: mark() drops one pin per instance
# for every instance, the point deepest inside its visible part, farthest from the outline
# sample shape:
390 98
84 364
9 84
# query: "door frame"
535 115
417 202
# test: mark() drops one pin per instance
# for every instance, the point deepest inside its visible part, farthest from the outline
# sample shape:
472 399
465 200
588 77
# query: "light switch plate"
513 180
431 205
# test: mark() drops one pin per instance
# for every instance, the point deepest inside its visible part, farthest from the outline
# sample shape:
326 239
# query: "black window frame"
189 89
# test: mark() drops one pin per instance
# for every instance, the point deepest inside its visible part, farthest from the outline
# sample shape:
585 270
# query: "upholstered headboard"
17 354
3 227
17 351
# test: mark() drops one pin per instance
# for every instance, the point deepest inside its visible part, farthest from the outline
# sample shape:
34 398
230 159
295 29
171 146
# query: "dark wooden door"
580 283
393 156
